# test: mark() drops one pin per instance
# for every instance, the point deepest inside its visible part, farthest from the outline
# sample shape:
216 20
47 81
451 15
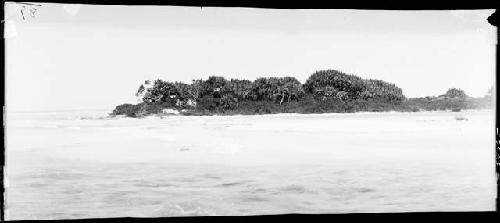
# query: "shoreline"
106 115
162 116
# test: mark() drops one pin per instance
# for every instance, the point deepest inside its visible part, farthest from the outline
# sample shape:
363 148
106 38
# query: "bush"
208 102
455 93
140 110
328 83
277 89
318 81
126 109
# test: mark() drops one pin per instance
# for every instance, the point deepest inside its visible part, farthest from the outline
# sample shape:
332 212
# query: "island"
325 91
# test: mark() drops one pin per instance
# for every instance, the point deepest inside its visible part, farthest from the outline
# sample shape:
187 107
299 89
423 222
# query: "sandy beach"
76 165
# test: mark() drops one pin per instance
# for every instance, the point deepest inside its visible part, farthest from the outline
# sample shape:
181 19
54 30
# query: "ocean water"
81 164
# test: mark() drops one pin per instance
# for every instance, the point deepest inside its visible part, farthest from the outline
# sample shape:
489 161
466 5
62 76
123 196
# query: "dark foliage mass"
332 83
455 93
323 92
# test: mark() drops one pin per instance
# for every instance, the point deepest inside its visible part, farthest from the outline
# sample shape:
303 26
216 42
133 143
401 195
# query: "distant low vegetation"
326 91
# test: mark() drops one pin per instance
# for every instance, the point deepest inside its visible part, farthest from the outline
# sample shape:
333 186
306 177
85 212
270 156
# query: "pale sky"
95 57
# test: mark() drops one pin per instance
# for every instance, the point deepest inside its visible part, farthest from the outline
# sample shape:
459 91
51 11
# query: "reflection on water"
75 184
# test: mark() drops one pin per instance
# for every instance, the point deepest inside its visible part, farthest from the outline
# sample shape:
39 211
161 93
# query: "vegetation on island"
325 91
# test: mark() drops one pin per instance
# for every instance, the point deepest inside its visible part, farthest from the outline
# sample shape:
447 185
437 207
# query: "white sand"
262 139
452 155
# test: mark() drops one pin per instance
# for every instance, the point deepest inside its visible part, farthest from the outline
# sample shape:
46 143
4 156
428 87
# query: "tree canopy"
333 83
455 93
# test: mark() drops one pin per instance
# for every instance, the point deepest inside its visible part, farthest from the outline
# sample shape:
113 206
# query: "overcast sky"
95 57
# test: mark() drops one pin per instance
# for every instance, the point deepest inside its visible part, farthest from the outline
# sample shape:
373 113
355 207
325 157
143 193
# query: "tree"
140 91
185 95
327 83
339 81
161 91
382 90
277 89
241 89
289 88
455 93
213 86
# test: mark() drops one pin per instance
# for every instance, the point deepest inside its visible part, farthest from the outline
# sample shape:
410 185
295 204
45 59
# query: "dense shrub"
277 89
324 91
126 109
139 110
455 93
208 102
382 90
328 83
160 91
214 86
240 89
337 80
